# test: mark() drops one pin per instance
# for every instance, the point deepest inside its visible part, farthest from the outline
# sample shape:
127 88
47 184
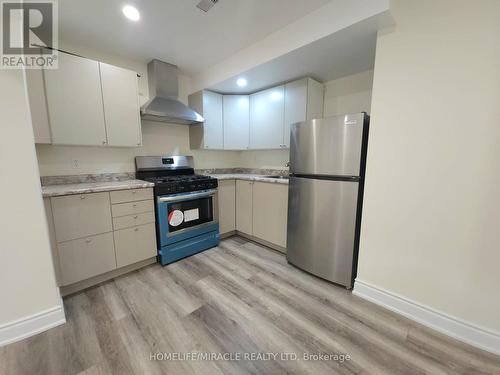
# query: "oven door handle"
179 198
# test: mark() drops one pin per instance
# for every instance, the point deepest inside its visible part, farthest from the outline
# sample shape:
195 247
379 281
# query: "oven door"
183 216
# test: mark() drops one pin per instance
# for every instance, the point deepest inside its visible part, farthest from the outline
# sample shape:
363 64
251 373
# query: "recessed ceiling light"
242 82
131 12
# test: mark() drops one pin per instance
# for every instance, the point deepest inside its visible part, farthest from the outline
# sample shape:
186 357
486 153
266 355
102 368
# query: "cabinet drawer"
132 208
133 220
135 244
77 216
86 257
131 195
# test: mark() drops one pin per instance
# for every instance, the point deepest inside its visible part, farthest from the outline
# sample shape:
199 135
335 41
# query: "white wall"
430 230
27 281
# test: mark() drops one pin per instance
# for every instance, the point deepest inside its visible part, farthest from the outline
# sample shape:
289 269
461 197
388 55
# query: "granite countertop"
249 177
92 187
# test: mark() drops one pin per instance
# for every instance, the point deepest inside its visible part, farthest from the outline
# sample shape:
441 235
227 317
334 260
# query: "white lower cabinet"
256 209
77 216
91 236
244 207
270 211
135 244
86 257
227 206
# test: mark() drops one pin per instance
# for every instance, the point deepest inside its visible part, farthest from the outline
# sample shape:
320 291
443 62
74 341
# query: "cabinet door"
295 106
212 127
135 244
132 195
227 206
244 206
77 216
267 118
236 122
86 257
38 106
270 211
132 208
74 101
121 106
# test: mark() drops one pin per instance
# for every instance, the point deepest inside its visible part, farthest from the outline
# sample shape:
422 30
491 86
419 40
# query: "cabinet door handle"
82 196
88 240
136 229
134 205
135 217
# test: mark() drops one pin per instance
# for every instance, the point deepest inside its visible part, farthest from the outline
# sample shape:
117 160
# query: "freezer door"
321 227
330 146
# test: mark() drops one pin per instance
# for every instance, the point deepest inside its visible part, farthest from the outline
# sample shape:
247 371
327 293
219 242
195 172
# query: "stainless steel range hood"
163 91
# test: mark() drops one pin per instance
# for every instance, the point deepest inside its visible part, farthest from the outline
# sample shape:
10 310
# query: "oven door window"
191 213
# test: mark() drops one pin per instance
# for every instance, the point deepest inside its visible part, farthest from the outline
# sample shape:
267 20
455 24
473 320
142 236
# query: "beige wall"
349 94
430 230
27 282
157 138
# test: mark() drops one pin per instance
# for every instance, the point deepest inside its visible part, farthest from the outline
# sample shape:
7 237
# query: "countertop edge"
244 177
93 187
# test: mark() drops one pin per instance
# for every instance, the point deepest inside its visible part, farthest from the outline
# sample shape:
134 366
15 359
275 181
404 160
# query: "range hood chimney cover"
163 105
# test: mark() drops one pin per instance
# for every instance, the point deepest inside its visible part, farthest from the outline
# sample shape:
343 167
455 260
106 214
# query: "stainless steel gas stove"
186 206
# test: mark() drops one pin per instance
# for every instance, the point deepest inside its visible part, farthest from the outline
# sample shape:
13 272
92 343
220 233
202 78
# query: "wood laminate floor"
238 298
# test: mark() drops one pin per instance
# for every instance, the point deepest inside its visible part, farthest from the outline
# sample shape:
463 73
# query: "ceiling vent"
206 5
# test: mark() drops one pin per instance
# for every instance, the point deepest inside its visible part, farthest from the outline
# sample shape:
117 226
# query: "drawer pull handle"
134 205
136 229
82 196
135 217
88 240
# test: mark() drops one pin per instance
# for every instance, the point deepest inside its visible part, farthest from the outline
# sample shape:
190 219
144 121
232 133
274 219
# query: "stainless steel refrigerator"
327 165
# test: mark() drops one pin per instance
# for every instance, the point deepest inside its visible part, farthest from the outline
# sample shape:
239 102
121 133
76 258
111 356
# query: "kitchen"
170 213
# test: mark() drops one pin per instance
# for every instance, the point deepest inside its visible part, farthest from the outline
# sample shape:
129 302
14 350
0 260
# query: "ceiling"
176 31
348 51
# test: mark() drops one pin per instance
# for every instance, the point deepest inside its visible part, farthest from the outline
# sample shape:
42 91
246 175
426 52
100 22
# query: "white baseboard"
449 325
31 325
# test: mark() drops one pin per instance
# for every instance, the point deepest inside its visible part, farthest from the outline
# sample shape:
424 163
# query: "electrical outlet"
75 163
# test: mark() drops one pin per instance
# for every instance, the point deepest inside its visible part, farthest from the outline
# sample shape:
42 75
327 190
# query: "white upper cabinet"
254 122
236 122
74 101
267 118
303 101
210 134
121 106
85 102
